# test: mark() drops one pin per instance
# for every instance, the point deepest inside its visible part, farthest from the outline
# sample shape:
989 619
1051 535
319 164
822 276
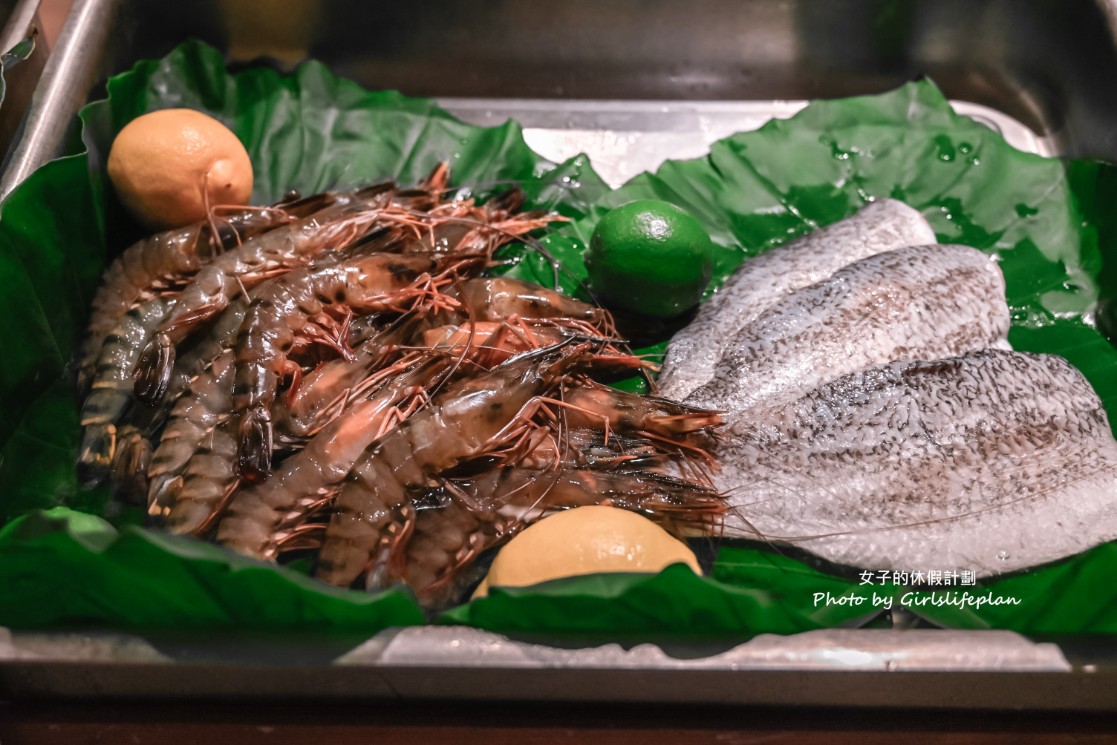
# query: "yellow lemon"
585 540
168 164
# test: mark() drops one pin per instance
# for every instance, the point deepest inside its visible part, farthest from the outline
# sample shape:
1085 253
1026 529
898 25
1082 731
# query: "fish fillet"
920 302
989 462
759 282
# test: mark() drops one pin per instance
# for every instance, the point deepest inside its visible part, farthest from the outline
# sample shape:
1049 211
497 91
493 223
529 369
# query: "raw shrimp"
376 283
503 298
145 421
110 394
155 264
469 420
328 388
485 343
208 483
448 537
205 406
460 225
256 516
592 424
130 464
589 405
232 273
200 356
489 343
590 448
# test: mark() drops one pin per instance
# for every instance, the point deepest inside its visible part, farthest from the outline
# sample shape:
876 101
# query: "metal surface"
18 22
1050 64
624 138
20 81
65 84
929 669
630 82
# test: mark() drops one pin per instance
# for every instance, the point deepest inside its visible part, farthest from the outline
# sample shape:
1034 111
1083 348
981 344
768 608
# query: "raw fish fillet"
920 302
989 462
759 282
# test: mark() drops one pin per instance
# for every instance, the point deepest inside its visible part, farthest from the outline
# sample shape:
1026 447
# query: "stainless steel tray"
624 138
21 20
923 669
655 119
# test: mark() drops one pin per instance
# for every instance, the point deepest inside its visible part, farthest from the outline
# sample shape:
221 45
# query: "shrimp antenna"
468 342
542 352
557 266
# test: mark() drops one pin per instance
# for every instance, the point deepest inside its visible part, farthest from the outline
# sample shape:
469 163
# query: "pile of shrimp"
336 377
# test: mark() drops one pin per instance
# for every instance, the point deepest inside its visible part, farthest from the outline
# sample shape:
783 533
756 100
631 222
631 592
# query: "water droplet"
1024 210
837 152
945 148
1002 556
965 148
974 161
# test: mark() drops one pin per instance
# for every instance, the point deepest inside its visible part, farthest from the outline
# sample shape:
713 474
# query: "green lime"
649 257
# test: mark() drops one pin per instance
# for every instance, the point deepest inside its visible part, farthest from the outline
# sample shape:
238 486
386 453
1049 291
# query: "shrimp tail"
162 493
255 450
130 464
95 455
153 371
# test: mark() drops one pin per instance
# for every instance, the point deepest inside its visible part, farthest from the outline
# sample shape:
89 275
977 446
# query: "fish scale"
989 462
919 302
760 282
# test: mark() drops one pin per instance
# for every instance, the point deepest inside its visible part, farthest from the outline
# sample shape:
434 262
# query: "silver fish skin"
760 282
919 302
990 463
